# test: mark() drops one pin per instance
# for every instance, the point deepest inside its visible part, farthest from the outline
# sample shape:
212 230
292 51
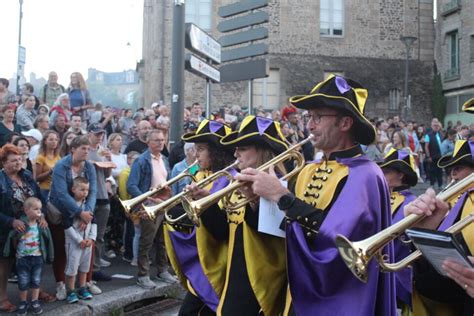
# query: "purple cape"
454 213
320 282
185 249
403 278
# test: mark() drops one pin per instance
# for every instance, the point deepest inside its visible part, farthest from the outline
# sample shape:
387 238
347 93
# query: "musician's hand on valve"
264 184
427 204
143 215
163 193
196 192
154 201
247 191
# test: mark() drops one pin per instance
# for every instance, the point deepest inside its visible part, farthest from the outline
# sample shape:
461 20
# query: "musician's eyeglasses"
317 117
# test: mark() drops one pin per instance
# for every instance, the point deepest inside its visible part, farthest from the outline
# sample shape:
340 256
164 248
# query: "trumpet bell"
357 255
129 205
353 257
191 209
151 211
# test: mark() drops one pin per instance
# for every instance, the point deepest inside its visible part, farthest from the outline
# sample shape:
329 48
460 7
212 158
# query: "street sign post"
202 43
201 68
244 16
177 72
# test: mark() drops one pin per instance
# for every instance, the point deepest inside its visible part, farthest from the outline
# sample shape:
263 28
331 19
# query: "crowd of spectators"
58 142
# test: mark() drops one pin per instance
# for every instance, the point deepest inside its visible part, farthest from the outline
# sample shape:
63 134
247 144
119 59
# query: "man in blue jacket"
150 170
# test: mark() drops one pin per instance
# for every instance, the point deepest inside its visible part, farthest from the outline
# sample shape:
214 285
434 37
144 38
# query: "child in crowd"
79 238
34 246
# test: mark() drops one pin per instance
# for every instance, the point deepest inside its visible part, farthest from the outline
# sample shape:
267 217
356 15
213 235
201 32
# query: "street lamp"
20 52
408 41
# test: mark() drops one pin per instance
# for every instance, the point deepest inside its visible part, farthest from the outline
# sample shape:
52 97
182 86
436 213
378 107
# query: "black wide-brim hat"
463 154
468 106
342 94
210 132
402 161
255 131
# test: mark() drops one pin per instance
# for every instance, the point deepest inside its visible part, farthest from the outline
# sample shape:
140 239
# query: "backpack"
45 88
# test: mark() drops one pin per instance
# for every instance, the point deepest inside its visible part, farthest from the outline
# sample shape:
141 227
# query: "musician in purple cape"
399 170
200 268
435 294
343 193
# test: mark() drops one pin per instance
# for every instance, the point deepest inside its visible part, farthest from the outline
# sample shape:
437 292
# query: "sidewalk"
116 295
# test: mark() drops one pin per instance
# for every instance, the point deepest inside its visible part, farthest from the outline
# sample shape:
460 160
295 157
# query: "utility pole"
408 41
177 72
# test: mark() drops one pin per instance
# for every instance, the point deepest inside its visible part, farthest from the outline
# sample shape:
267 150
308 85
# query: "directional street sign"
202 43
201 68
244 36
247 24
244 52
244 71
241 7
243 21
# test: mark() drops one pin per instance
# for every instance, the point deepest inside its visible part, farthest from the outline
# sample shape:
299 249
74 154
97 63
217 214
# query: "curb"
112 302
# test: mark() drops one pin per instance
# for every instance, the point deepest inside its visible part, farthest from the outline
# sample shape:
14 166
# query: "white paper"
270 217
122 276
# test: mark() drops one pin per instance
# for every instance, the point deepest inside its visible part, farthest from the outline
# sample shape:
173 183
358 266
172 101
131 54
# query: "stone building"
455 55
308 40
117 89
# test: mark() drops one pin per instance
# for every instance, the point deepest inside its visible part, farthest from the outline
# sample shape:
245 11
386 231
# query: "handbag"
53 215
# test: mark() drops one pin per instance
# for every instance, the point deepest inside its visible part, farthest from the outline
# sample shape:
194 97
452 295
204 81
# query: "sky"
71 35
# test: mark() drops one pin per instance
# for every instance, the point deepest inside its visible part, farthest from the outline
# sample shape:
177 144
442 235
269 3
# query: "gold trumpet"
195 208
165 206
131 204
357 255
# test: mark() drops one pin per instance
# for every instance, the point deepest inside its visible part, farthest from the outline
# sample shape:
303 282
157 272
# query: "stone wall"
379 76
370 51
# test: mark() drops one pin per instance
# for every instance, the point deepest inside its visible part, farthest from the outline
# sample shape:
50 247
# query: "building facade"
455 55
308 40
117 89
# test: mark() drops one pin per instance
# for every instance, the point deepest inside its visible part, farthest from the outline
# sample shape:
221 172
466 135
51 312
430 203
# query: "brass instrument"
131 204
165 206
357 255
195 208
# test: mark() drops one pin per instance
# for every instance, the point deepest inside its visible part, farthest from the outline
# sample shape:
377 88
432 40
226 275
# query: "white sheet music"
270 217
